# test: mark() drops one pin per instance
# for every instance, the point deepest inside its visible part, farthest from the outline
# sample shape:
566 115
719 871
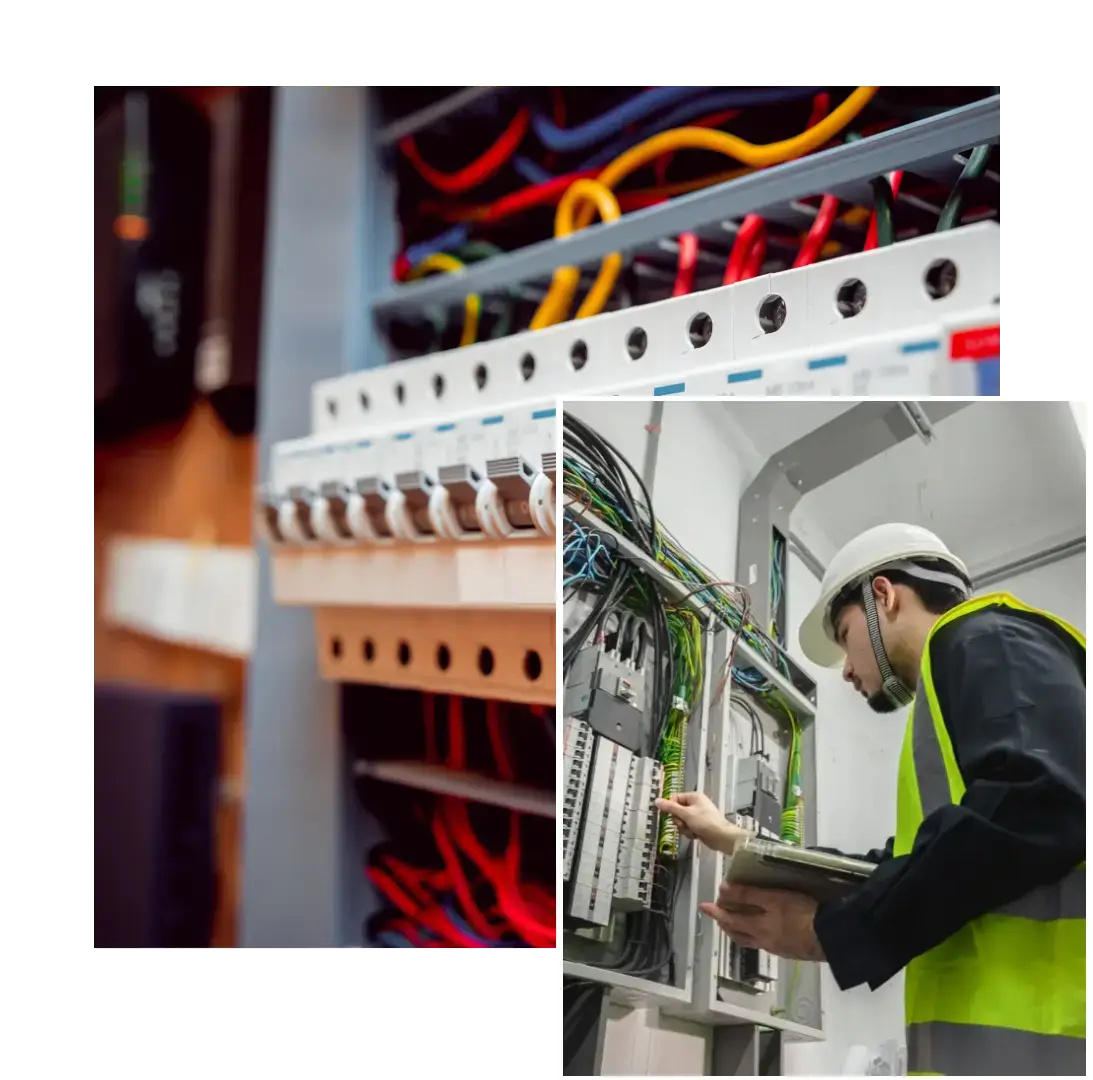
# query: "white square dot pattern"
242 39
44 245
44 336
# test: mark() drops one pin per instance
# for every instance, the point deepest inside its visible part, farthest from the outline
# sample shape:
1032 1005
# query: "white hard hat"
875 549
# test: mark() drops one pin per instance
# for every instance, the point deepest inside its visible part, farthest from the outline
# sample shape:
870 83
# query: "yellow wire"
563 285
686 138
720 142
472 305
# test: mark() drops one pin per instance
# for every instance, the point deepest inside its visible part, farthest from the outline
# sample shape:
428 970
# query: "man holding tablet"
980 895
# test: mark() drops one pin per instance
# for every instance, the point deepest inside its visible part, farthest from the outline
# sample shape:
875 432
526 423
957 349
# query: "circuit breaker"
756 794
609 692
610 841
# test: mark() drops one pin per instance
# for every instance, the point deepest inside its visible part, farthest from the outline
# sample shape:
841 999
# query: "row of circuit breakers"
456 503
609 817
610 822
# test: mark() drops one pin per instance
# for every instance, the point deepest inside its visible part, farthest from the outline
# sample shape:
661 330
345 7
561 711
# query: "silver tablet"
763 864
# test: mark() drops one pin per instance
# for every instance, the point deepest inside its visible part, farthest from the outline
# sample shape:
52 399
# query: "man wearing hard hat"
980 895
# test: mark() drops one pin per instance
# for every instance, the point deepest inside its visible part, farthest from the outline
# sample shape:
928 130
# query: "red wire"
479 170
756 255
501 874
817 235
753 231
820 104
895 179
428 707
431 918
478 920
688 259
750 248
497 742
457 751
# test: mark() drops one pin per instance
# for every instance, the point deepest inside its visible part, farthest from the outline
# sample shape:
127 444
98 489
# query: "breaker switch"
367 513
330 512
452 503
513 478
298 510
269 512
416 487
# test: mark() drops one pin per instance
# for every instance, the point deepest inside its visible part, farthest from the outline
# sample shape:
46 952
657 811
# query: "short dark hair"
935 596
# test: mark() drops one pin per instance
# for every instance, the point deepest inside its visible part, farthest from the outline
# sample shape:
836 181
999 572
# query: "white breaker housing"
614 860
432 486
928 326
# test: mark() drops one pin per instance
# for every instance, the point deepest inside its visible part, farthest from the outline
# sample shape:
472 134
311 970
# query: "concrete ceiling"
1001 480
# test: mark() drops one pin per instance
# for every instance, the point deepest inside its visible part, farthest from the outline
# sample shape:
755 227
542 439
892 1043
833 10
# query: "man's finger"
714 912
730 892
671 806
735 927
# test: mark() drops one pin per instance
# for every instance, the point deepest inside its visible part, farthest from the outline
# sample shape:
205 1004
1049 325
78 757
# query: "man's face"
860 667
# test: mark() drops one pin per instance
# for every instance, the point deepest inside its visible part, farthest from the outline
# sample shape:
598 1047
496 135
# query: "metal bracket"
853 437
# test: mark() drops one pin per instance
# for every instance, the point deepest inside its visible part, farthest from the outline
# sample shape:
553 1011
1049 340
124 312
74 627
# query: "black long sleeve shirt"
1011 687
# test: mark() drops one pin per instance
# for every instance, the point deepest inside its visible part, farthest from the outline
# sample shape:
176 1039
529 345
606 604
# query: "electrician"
980 895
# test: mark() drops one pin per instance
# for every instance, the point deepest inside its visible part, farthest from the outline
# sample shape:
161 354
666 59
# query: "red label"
982 343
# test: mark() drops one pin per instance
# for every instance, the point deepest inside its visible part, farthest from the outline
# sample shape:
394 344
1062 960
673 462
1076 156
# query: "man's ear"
884 592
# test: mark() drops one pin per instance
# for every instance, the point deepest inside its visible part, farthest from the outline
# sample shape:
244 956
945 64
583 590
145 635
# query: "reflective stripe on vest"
1005 995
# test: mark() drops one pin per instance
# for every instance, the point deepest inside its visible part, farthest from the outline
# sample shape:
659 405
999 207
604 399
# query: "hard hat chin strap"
895 689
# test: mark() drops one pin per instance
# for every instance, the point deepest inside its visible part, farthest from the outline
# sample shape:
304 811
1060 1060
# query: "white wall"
701 452
1058 588
857 754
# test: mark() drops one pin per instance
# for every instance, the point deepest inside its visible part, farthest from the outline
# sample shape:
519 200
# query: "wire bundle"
595 478
458 893
649 131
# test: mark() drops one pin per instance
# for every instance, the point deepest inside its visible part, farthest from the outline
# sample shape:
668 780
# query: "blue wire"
604 126
458 921
534 173
691 110
452 238
393 940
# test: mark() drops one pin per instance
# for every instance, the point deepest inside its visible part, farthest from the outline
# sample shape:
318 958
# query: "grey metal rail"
927 147
431 114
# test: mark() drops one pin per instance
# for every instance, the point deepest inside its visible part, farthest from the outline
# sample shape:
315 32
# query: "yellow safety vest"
1005 995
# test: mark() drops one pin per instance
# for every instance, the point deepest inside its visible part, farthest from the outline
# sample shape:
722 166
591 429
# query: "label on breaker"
820 377
358 459
292 465
891 370
982 347
405 452
529 434
442 444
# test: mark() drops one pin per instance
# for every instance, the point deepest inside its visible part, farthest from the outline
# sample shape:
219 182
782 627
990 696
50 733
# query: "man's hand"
699 819
776 921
